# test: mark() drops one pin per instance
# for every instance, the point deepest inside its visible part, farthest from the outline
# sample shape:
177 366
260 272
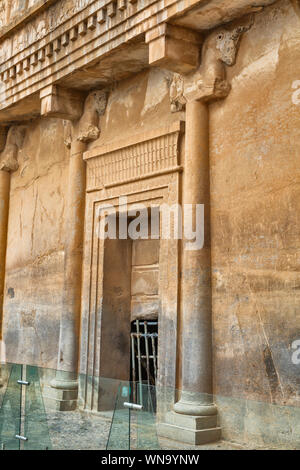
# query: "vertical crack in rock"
271 373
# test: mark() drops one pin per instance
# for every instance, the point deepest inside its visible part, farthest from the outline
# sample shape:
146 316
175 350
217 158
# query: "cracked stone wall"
35 251
255 201
256 232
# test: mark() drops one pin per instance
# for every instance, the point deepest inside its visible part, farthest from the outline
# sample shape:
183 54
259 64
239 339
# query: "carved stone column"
194 419
8 164
84 131
4 203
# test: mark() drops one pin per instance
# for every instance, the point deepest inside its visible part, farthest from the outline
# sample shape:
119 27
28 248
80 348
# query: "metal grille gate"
144 340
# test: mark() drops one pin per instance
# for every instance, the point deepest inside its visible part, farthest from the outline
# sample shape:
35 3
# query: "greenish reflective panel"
5 370
146 421
10 411
119 436
36 426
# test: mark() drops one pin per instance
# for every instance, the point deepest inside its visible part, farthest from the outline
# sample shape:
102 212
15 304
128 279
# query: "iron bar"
139 361
143 358
147 352
21 436
133 366
154 357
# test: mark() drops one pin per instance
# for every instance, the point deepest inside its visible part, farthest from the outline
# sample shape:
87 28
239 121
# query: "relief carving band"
140 156
149 226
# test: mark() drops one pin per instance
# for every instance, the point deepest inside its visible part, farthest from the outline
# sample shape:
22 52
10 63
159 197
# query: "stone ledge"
193 430
189 436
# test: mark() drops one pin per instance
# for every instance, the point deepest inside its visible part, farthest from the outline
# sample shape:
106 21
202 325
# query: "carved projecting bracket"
14 141
62 103
86 129
209 82
94 106
177 98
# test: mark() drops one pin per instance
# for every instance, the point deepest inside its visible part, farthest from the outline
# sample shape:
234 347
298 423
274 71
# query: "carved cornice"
49 47
98 28
14 141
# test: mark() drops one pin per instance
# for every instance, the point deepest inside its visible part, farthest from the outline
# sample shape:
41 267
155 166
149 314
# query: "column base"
60 400
195 430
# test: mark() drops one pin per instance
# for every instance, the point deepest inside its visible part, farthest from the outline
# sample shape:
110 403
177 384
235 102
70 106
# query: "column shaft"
66 377
4 206
196 277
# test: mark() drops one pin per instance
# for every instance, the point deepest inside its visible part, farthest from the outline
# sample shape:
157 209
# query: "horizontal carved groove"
150 157
76 32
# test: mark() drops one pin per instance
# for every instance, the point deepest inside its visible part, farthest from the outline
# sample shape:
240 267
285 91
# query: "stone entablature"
53 43
84 37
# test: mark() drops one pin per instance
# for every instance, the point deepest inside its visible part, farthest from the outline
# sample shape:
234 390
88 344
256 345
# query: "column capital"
87 128
209 82
14 141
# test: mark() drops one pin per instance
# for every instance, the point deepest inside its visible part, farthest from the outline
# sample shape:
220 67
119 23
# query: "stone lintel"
63 103
174 48
176 126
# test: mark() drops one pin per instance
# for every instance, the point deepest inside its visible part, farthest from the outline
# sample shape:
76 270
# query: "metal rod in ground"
147 351
154 356
133 366
147 359
23 408
139 361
